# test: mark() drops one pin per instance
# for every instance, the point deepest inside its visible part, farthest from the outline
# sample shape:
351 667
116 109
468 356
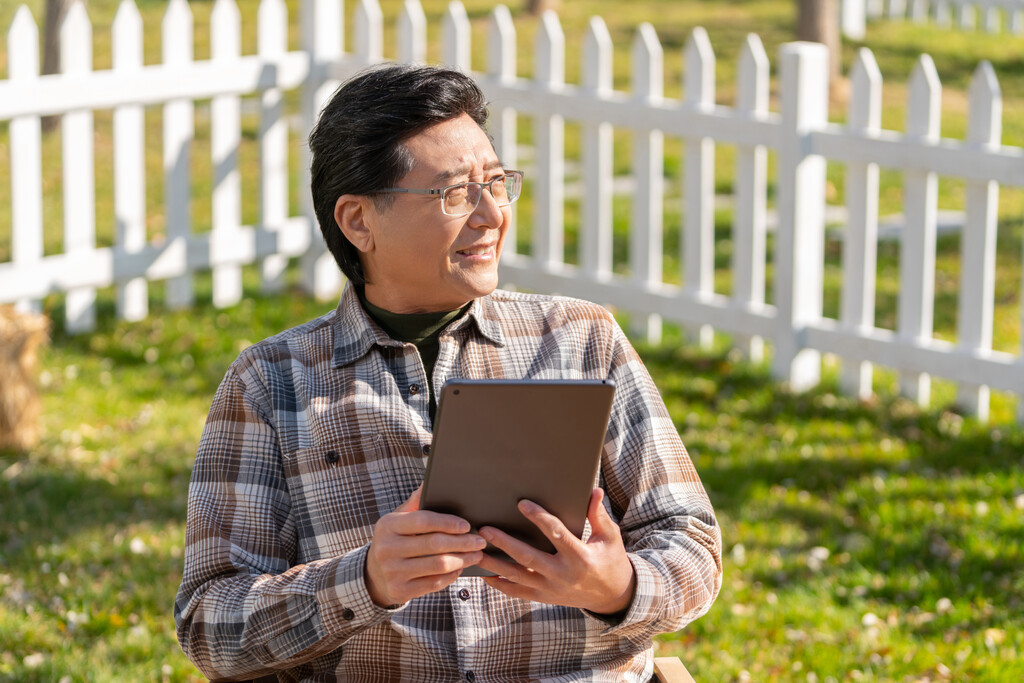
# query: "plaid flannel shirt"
317 432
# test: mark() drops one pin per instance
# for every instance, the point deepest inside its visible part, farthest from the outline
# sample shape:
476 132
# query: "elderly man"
307 556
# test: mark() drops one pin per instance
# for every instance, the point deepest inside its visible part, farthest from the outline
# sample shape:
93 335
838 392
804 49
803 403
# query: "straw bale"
21 335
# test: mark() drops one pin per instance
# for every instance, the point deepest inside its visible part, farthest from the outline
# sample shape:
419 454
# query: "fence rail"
799 134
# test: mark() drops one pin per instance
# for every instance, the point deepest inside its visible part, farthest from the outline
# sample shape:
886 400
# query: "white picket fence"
992 16
799 134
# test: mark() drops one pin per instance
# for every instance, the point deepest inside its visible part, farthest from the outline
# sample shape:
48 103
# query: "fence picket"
369 32
749 231
129 161
323 36
646 247
966 16
549 147
225 136
897 9
978 257
501 68
917 241
943 14
77 166
455 37
919 11
179 129
799 246
26 154
596 184
860 240
412 33
271 44
699 178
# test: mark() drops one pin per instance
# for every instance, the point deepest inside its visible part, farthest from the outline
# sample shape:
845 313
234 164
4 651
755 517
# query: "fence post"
699 180
412 33
78 167
853 15
456 36
646 244
26 155
549 137
916 305
272 43
129 162
501 66
178 132
860 241
978 250
750 225
799 246
596 230
225 137
323 39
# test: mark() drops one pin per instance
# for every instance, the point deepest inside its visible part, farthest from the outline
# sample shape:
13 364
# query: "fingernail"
527 506
485 534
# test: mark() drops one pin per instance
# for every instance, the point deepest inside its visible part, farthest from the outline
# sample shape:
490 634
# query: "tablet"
497 442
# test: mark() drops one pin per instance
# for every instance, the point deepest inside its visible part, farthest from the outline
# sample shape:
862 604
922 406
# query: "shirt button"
426 449
347 614
463 594
331 457
470 676
414 389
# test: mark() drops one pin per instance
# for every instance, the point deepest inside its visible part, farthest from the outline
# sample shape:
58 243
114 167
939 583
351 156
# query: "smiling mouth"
476 251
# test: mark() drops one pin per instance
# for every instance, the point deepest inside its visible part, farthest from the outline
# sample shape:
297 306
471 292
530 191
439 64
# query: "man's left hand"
595 575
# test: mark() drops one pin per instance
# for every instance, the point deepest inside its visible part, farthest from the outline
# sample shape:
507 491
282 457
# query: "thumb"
412 503
601 523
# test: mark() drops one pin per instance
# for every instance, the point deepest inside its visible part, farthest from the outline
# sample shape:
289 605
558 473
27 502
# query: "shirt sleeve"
668 525
243 609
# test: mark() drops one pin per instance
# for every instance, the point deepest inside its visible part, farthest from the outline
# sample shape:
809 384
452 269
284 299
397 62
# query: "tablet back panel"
499 441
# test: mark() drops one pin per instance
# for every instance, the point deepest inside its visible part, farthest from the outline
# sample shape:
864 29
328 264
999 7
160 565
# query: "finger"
412 502
430 584
425 545
551 526
601 523
440 565
425 522
511 571
524 554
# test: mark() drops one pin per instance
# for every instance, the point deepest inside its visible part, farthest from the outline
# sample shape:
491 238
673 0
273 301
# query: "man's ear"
355 216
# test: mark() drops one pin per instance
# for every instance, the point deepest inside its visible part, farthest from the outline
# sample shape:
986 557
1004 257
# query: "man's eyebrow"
450 174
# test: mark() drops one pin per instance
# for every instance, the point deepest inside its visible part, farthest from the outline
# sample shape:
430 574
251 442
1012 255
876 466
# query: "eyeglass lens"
463 198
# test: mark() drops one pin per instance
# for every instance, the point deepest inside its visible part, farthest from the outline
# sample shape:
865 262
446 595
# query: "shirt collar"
355 331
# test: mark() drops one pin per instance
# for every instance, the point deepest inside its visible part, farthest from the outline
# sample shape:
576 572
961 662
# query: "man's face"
422 260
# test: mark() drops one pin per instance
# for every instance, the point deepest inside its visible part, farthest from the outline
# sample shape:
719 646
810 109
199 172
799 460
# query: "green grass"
920 512
913 508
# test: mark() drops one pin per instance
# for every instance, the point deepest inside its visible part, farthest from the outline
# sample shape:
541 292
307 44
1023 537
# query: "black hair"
357 143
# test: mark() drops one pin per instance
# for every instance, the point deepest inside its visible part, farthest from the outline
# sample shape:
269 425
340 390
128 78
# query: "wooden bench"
671 670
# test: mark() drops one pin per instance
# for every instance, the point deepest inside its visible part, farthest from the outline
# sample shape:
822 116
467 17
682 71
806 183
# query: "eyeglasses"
463 198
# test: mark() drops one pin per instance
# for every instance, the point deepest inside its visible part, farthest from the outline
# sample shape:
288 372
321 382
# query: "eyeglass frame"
440 192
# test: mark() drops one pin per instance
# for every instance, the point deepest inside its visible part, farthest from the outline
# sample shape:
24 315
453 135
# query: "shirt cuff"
646 606
345 604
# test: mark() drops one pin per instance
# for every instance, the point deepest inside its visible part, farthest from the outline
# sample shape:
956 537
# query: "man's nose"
487 213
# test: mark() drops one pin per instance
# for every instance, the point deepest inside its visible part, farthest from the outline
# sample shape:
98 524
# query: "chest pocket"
335 490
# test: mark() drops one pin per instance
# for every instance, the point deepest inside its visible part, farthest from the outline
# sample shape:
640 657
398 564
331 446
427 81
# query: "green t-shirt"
421 329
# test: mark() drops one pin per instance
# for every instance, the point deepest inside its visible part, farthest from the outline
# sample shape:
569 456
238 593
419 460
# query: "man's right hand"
415 552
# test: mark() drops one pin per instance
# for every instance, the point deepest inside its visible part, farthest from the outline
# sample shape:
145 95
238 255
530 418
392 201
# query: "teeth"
479 251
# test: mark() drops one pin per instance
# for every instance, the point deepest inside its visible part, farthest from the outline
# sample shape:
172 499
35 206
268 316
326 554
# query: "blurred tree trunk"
55 11
818 22
537 7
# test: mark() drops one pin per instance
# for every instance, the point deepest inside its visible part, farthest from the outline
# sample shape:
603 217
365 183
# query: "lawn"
863 541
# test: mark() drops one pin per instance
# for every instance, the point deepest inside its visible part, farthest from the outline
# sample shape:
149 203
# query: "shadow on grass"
931 503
